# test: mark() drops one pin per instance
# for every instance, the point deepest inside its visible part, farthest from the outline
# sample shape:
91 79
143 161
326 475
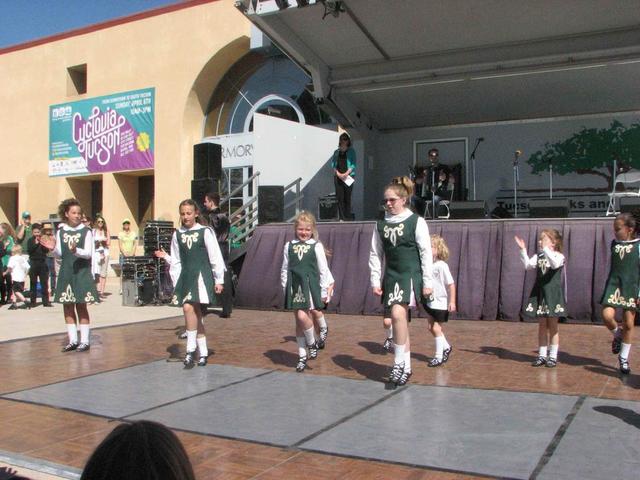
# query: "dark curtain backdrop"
484 261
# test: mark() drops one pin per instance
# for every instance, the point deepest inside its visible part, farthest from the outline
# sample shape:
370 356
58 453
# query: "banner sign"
112 133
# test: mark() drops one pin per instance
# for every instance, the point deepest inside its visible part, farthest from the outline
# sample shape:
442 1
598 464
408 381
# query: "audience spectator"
38 248
25 229
7 239
127 240
141 450
102 242
49 239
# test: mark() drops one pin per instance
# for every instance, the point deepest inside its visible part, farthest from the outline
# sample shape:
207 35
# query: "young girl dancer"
307 283
402 241
439 305
75 287
621 290
197 270
546 301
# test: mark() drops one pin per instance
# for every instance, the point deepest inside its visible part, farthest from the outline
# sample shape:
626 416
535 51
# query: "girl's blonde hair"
307 217
555 237
17 249
441 249
402 186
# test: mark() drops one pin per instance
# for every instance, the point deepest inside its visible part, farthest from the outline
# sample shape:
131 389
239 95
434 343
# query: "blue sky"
25 20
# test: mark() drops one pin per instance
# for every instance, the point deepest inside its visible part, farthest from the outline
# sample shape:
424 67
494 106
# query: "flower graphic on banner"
143 142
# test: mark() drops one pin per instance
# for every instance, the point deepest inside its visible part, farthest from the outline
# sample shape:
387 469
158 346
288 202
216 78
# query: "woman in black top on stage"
344 166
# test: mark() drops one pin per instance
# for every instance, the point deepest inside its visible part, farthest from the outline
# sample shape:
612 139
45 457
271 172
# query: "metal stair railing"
246 215
297 200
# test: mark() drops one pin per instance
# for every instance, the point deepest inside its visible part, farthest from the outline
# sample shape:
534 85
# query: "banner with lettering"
112 133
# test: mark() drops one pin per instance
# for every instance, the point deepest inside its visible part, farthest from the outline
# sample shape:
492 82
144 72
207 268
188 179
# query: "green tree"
591 152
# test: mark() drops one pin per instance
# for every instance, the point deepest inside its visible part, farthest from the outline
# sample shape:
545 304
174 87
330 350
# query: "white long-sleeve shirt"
423 239
556 259
82 251
326 278
213 250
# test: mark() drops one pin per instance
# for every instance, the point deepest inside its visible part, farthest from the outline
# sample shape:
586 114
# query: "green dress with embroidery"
402 261
195 264
547 295
621 289
303 278
75 282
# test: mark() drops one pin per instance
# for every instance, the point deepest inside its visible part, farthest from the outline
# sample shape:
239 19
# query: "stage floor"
249 415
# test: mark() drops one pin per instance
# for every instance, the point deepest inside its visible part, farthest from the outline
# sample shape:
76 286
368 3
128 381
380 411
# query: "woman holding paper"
344 166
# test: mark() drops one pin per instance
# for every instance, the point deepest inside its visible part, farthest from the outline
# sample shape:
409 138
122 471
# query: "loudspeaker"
270 204
328 208
629 204
549 208
471 209
207 160
200 187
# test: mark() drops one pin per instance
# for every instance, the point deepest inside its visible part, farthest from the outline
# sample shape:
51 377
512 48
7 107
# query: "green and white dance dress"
621 289
402 241
305 275
547 295
196 265
75 282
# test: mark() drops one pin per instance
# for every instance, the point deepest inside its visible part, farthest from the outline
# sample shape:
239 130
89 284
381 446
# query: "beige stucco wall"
183 54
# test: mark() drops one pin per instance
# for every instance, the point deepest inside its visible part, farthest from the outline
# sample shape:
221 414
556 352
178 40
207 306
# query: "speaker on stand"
207 160
549 208
270 204
468 210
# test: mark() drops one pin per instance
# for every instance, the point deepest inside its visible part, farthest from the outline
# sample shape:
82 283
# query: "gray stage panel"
130 390
280 408
481 431
603 441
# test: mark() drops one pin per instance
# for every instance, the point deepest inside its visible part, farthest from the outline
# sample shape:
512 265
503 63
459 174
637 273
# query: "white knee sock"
191 340
439 347
542 351
308 335
625 349
202 346
72 331
390 332
398 353
322 322
302 347
84 333
407 361
553 351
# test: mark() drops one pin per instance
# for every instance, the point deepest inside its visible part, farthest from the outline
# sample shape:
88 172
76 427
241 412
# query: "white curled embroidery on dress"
393 232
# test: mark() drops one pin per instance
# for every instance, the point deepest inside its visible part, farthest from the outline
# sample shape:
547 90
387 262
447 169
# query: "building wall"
182 52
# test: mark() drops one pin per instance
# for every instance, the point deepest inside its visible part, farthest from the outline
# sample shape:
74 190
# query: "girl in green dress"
307 283
75 287
197 270
546 301
621 290
402 241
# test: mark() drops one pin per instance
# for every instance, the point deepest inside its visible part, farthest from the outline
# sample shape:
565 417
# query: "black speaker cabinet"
549 208
328 208
207 160
200 187
270 204
468 210
629 204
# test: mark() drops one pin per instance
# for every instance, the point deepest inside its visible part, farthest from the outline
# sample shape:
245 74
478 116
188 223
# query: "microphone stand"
473 166
433 191
516 182
550 178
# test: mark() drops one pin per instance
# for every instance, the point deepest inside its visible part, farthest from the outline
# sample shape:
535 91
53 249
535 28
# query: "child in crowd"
546 301
18 267
308 285
75 287
402 241
197 270
621 290
439 304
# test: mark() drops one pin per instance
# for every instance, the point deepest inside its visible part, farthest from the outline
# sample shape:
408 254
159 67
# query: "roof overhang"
396 64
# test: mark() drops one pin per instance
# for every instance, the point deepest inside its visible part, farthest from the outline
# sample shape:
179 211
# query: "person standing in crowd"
25 229
401 243
7 241
102 243
75 287
127 240
219 221
38 248
436 181
49 239
344 167
17 268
